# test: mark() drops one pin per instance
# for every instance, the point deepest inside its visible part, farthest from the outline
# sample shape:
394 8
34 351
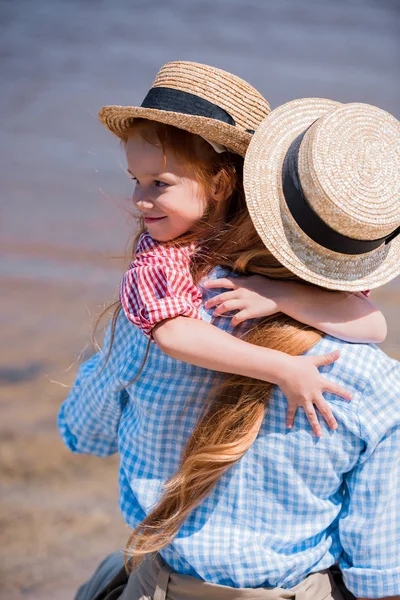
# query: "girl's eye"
158 183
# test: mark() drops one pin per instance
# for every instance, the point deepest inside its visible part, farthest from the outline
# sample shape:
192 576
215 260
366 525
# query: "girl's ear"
222 186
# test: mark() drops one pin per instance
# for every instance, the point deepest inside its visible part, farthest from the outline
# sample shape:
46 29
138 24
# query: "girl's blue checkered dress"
293 505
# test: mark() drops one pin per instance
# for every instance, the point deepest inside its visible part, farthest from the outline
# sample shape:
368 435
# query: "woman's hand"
303 386
253 297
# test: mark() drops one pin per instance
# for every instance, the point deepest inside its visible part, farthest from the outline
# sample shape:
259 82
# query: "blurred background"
65 217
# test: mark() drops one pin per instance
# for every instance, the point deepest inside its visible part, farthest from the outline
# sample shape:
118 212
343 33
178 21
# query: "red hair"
233 415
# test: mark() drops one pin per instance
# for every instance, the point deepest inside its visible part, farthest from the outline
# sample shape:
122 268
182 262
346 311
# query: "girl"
121 402
159 285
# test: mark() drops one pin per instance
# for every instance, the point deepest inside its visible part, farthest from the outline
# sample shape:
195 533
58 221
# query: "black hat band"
169 99
308 220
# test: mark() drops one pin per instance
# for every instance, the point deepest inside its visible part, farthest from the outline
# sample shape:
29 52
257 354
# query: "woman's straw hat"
322 183
209 102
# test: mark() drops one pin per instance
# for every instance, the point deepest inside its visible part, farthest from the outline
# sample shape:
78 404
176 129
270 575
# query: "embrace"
256 420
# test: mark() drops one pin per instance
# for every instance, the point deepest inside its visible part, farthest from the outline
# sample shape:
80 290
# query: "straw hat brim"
276 226
118 119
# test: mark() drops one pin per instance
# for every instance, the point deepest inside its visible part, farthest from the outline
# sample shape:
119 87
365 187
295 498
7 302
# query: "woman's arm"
204 345
346 316
89 418
370 559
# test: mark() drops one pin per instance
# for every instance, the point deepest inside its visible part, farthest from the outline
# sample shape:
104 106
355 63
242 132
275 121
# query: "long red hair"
233 415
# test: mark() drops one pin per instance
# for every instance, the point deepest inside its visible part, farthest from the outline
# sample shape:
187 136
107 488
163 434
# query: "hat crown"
349 168
237 97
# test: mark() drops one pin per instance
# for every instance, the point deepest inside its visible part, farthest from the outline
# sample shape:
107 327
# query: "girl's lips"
152 219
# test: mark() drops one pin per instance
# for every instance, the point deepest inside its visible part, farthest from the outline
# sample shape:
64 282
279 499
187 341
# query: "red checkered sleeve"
159 285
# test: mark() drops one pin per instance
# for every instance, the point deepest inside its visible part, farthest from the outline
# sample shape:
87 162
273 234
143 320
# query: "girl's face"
169 197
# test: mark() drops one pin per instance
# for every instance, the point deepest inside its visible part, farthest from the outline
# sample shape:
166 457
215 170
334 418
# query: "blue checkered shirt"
293 505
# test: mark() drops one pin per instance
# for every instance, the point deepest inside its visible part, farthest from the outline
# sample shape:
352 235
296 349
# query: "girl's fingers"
337 389
326 412
330 386
326 359
290 415
241 316
312 418
224 282
219 299
227 306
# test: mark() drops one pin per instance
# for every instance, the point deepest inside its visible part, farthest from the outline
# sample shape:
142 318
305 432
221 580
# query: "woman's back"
271 518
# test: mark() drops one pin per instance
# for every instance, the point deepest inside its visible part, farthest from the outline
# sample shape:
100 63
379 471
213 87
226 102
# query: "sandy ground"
58 511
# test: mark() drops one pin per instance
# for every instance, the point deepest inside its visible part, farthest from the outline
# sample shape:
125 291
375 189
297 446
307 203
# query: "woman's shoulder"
219 272
207 314
124 338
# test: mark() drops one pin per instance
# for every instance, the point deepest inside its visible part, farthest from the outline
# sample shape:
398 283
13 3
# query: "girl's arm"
349 317
204 345
158 295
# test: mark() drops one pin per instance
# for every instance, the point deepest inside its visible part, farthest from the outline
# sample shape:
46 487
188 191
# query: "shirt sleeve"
159 285
89 418
370 525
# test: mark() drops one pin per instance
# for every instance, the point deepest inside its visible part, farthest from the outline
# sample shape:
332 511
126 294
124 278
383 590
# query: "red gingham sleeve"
158 285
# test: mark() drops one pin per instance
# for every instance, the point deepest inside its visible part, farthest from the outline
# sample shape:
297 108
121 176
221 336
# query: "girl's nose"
144 203
142 200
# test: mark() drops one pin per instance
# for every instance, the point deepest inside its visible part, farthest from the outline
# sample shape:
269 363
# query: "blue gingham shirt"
293 505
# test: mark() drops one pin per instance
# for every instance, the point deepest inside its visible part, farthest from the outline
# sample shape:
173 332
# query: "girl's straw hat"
214 104
322 183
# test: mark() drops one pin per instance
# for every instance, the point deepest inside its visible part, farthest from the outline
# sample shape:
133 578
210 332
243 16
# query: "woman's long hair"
233 415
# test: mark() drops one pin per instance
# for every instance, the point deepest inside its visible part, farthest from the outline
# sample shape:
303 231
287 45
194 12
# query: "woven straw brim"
276 226
118 119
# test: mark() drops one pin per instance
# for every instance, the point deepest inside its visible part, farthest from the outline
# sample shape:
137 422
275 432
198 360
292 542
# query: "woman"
251 506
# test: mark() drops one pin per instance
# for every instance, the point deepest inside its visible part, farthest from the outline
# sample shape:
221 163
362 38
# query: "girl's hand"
303 385
253 297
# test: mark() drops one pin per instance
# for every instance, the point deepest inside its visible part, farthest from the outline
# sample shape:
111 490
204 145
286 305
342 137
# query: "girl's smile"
167 194
153 219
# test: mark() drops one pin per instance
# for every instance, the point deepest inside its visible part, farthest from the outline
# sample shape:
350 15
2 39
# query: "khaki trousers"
154 580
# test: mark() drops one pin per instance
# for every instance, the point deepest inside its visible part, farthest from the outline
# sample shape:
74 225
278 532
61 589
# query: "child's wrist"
285 367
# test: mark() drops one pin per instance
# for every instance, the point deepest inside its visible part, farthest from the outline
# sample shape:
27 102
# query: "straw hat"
322 184
200 99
